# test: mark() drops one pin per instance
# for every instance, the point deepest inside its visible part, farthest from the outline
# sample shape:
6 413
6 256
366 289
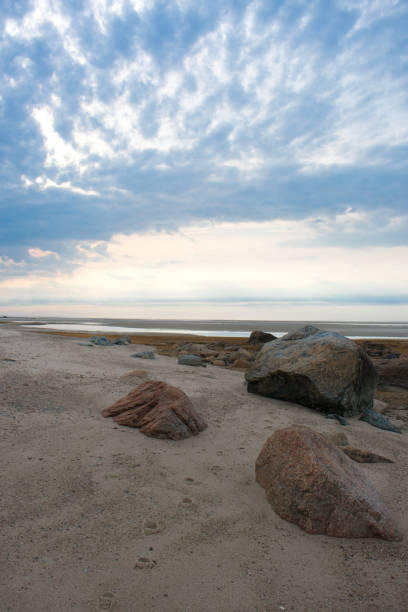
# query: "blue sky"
218 152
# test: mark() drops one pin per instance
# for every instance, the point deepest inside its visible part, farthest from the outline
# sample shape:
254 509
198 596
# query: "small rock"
144 355
191 360
218 362
337 417
100 340
145 563
260 337
122 341
240 364
362 456
378 420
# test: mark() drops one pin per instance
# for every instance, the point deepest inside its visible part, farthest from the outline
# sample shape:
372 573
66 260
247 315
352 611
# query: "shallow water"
233 329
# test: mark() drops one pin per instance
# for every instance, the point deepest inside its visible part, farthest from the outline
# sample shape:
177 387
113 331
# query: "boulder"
322 370
191 360
312 483
159 410
260 337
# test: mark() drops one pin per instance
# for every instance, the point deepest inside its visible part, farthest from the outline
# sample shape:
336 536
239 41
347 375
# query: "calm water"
225 328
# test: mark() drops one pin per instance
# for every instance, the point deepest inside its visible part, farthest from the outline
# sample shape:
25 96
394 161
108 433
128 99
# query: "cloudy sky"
222 159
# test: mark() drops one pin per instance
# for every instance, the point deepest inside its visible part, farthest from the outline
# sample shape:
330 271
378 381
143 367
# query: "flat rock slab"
318 369
312 483
159 410
144 355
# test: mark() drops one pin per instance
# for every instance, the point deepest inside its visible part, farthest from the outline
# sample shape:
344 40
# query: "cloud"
280 260
39 253
146 116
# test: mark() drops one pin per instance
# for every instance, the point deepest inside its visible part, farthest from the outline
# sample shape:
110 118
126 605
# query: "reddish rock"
240 364
362 456
159 410
312 483
218 362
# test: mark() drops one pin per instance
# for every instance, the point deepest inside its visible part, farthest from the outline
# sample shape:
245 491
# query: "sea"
217 328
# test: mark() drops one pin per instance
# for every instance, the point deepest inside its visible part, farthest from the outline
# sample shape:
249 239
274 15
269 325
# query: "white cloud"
43 182
40 253
280 259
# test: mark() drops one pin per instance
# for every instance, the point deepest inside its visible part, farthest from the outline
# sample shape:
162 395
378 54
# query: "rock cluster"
159 410
312 483
103 341
318 369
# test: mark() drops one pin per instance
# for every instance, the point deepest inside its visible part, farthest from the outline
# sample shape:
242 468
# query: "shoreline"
146 326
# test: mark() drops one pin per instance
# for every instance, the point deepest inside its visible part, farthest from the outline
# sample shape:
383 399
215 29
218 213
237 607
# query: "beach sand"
80 496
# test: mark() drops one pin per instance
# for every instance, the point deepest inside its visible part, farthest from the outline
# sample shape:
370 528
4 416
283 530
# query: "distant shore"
216 328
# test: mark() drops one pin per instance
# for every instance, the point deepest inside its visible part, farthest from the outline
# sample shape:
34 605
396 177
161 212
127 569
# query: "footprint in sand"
106 601
186 501
188 479
150 527
145 563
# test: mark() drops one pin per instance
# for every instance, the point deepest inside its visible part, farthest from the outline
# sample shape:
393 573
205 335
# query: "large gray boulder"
323 370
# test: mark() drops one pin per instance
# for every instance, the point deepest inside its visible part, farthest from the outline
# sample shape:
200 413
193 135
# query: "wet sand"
96 516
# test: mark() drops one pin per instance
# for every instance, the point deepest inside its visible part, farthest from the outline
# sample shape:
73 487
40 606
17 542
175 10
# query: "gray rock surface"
191 360
378 420
144 355
322 370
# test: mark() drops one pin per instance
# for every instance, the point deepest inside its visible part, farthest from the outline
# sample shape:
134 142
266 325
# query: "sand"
81 496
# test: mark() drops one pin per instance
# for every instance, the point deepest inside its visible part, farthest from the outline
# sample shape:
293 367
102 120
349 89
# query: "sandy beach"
96 516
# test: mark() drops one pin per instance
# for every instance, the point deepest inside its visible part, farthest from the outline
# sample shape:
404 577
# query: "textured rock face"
393 371
159 410
324 371
303 332
260 337
312 483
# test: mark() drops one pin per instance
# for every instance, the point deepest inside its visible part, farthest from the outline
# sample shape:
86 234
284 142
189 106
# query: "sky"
219 159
